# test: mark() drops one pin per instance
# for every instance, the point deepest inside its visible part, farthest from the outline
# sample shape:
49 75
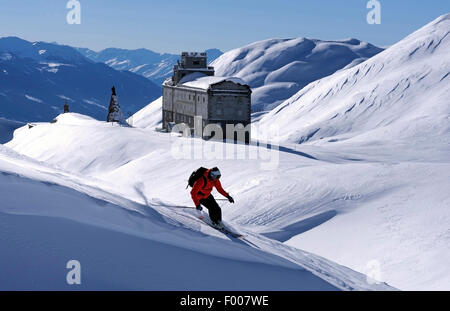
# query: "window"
196 62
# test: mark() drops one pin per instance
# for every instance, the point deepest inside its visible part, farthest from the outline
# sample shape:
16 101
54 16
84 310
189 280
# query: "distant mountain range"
155 66
37 78
276 69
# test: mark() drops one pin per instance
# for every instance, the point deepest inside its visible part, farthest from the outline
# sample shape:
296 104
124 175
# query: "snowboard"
222 229
205 219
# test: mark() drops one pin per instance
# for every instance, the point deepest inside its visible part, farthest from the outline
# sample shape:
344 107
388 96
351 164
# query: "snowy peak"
40 51
402 91
278 68
430 39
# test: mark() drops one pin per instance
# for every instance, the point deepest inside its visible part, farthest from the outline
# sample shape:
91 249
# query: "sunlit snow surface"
107 196
363 183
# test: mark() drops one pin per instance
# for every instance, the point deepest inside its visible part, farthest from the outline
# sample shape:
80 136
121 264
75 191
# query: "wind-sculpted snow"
401 93
276 69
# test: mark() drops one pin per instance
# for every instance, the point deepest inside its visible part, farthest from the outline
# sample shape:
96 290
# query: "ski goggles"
215 174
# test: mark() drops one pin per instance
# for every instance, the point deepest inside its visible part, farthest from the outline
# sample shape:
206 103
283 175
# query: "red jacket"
200 190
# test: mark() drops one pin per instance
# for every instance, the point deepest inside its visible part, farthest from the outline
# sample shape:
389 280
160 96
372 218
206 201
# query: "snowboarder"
201 195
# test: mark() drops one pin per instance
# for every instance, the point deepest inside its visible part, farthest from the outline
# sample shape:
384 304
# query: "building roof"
202 81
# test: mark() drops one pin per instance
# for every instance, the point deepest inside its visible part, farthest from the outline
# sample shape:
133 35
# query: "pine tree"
114 112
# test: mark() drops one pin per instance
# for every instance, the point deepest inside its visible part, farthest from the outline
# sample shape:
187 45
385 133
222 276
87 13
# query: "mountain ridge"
278 68
36 78
153 65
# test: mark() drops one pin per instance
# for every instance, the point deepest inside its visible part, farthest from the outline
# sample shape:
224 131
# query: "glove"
199 207
230 199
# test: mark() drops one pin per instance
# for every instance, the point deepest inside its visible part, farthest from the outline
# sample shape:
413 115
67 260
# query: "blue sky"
195 25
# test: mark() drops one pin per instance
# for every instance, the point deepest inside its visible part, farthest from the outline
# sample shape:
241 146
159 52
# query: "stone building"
204 102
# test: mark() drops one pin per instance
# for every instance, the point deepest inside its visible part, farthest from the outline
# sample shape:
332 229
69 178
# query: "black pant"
215 213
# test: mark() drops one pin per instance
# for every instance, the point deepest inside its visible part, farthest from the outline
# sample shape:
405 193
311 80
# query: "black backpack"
196 175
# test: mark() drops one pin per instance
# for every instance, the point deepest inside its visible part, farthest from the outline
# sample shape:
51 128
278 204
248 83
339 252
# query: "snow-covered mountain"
37 78
388 120
363 151
155 66
401 93
276 69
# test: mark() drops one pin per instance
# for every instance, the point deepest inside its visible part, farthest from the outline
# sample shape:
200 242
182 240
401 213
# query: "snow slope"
390 117
149 117
401 93
120 184
144 251
276 69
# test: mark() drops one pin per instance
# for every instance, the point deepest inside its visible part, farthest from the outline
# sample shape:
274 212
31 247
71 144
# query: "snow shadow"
283 149
301 226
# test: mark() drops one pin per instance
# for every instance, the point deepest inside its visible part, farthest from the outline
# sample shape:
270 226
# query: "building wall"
230 101
181 105
225 103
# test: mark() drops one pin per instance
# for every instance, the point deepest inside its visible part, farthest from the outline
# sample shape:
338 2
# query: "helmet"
214 173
